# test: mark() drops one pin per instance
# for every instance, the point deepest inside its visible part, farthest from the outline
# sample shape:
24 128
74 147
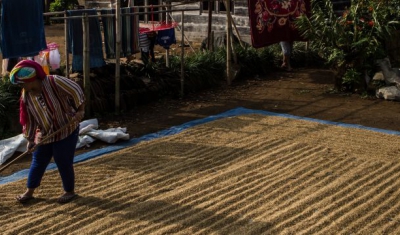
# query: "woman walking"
49 103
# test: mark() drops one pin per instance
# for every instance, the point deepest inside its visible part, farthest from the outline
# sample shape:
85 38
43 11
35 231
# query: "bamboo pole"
118 34
66 38
146 4
228 43
86 63
234 25
45 138
209 25
167 20
182 54
187 40
212 40
118 31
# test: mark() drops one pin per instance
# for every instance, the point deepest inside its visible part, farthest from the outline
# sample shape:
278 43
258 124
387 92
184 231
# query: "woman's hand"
79 115
30 146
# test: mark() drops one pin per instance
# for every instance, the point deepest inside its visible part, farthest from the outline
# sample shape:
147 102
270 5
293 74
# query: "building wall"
196 22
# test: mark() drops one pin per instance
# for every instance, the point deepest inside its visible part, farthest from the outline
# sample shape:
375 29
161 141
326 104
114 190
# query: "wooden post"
167 20
146 17
233 23
182 55
228 42
86 62
47 9
66 38
118 30
160 15
209 25
212 40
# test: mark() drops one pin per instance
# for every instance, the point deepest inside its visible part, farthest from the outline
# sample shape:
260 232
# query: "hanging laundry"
129 31
166 37
75 42
144 44
156 26
129 41
22 28
109 32
272 21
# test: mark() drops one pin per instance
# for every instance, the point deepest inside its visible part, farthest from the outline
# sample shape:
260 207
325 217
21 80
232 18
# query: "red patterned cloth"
272 21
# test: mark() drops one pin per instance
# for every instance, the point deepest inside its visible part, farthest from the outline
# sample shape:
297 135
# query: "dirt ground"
303 92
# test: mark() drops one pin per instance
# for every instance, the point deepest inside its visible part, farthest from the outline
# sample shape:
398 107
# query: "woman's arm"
80 113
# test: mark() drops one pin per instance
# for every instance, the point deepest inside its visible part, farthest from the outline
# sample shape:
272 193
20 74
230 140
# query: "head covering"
26 71
23 72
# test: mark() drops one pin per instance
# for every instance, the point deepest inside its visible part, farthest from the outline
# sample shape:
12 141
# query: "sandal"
24 198
66 198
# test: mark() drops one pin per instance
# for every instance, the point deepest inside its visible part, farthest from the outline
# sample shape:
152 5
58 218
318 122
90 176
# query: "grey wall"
196 22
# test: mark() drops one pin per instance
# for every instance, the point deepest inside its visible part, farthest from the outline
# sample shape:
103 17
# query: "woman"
49 103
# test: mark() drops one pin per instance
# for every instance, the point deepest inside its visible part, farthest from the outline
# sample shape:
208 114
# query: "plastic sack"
110 135
84 140
42 60
88 125
54 59
11 145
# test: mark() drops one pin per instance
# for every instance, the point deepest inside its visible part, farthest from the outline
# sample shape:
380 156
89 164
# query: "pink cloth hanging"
153 26
272 21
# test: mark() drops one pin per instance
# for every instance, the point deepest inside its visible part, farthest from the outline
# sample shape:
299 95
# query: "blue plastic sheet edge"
177 129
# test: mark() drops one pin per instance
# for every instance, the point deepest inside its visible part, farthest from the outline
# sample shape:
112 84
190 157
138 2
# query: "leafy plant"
353 40
61 5
256 61
9 96
351 78
201 70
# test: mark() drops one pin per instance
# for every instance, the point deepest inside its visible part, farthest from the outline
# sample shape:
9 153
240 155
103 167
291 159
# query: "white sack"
84 140
11 145
88 133
110 135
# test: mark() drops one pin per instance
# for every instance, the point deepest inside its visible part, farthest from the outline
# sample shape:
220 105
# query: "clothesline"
123 14
118 45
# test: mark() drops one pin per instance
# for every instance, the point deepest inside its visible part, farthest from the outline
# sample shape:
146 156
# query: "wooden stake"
86 63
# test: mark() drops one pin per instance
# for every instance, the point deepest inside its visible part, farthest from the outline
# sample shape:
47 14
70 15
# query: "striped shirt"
144 42
53 109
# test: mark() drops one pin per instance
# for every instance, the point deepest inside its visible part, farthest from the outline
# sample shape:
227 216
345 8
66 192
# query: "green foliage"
201 70
61 5
354 40
351 78
9 96
306 57
255 62
209 68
